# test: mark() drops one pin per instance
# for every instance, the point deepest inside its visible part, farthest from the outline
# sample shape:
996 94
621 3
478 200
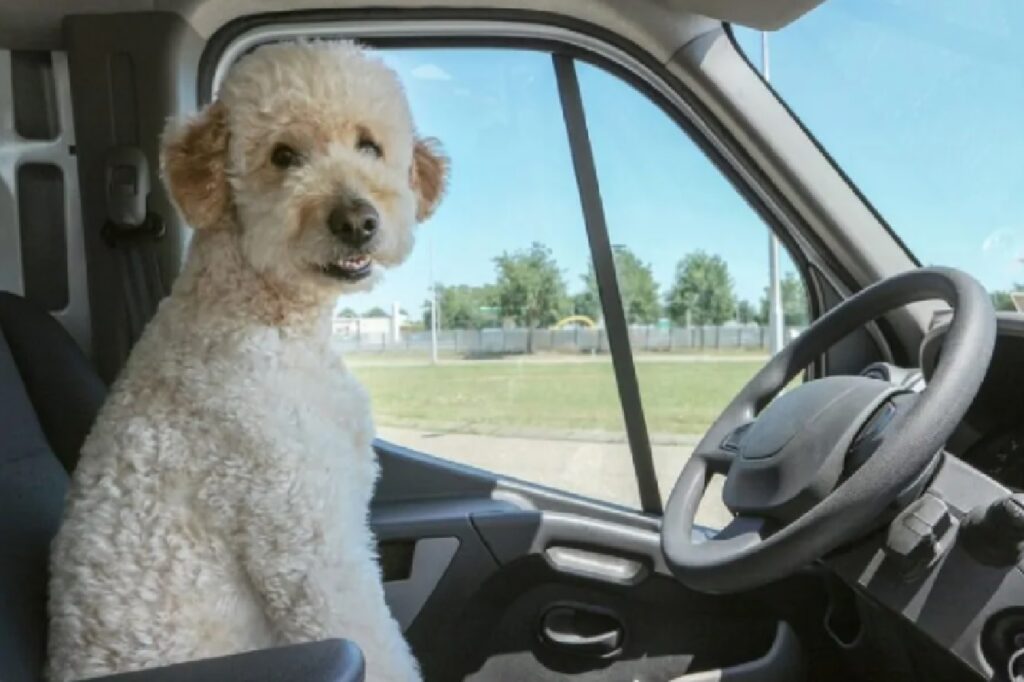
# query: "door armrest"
332 660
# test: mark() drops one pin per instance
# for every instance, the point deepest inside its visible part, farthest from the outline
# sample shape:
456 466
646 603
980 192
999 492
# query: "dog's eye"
368 146
284 156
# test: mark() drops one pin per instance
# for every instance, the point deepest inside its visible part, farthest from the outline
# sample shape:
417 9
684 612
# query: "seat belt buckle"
126 179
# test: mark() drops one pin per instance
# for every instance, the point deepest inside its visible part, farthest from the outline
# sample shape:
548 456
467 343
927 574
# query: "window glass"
521 385
692 261
919 102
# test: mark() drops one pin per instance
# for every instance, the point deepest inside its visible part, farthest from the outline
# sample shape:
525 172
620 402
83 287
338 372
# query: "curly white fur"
221 500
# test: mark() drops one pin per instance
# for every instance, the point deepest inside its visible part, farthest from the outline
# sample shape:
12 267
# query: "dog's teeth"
353 263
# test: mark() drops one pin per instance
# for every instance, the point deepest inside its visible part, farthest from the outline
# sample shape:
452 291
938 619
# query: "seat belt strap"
132 231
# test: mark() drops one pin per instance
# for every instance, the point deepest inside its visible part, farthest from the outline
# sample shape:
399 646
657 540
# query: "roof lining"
31 24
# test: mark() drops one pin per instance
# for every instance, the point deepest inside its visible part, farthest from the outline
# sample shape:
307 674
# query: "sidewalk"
602 470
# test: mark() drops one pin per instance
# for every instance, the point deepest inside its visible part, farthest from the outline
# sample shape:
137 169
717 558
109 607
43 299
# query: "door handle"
582 630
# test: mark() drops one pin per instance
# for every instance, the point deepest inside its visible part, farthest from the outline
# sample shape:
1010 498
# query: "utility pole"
396 323
776 317
433 307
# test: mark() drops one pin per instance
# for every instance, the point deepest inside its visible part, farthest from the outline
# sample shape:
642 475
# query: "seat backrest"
61 383
47 402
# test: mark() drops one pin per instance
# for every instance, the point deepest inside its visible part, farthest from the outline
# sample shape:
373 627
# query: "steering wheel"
816 468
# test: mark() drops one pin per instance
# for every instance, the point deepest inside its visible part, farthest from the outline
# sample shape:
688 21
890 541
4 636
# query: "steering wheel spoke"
745 528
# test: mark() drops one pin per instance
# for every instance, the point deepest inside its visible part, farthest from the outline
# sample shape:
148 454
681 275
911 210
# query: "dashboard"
991 435
983 624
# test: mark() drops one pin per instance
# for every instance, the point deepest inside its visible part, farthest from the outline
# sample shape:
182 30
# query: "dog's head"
310 156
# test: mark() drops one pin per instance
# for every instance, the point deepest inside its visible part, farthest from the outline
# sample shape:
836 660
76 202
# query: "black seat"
49 397
63 388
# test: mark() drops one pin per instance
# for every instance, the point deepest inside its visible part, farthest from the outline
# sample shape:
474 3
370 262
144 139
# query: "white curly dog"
221 500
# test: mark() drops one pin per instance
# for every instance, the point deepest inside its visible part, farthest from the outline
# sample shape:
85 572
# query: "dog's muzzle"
354 222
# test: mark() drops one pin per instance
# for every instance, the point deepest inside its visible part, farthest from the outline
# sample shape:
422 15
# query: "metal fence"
580 340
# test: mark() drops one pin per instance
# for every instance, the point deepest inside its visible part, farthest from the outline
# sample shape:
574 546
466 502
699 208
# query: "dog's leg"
366 619
313 587
275 550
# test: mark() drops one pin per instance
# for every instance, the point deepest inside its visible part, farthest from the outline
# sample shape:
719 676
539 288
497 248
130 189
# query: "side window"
522 383
488 347
692 262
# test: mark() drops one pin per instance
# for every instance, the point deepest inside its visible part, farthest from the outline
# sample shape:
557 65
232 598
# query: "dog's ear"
429 176
194 159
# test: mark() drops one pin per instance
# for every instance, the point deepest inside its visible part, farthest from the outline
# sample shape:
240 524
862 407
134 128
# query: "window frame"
567 41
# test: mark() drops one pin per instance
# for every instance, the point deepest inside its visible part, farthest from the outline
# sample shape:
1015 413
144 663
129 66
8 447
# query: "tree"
530 288
463 306
745 313
794 302
761 312
376 311
637 288
347 312
1001 299
587 303
702 291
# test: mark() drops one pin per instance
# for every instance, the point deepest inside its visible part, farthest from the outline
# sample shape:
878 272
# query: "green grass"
678 397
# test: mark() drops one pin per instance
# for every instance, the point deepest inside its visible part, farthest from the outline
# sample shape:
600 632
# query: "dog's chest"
330 426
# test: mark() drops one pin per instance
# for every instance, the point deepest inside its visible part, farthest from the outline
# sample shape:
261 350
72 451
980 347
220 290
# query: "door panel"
543 585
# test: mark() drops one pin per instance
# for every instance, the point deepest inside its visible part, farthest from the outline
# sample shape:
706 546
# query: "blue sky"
921 101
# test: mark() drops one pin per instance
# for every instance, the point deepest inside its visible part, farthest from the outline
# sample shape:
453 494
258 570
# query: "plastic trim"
782 663
59 152
430 560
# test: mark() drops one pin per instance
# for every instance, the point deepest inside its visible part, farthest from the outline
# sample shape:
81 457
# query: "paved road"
598 469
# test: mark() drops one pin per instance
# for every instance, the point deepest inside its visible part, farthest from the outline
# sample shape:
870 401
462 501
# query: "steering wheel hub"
794 455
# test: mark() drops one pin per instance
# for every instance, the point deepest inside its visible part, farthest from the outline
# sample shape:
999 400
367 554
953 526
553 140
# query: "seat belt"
132 231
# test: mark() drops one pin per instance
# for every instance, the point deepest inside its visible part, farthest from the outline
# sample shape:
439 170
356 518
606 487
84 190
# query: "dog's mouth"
351 269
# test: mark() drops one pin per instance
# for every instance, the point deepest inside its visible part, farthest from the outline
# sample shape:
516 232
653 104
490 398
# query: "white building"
375 327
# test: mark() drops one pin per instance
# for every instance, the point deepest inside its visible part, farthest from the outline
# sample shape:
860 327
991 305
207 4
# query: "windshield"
921 103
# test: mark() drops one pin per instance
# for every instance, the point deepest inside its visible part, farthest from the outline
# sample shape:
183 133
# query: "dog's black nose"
354 221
